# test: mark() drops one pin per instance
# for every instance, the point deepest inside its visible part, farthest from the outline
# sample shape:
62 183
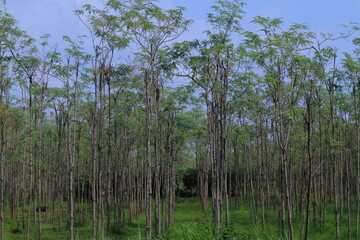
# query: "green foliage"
191 224
227 16
192 232
186 182
273 84
150 24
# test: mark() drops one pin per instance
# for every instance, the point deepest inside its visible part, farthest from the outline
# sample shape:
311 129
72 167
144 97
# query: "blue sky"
56 16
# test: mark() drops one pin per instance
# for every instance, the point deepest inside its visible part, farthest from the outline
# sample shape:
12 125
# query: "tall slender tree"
151 28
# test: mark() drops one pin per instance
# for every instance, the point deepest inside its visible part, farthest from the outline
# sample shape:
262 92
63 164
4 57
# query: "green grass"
190 223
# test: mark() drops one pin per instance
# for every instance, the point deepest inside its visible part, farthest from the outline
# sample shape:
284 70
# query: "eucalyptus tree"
68 71
27 64
308 73
275 51
175 128
36 68
199 136
48 59
168 144
58 95
328 56
249 127
329 77
332 80
351 64
151 28
121 102
9 33
209 64
246 106
107 38
225 20
344 145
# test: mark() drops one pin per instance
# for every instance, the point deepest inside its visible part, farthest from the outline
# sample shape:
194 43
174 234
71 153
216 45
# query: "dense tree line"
270 116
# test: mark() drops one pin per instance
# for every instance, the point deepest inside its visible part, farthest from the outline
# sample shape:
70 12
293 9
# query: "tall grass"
191 232
190 223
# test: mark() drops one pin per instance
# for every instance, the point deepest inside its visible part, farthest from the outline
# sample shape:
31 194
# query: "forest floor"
190 223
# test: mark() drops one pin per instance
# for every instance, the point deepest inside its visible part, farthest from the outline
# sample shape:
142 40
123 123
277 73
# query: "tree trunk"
148 165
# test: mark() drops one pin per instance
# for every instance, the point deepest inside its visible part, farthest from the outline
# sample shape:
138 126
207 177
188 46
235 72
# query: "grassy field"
190 223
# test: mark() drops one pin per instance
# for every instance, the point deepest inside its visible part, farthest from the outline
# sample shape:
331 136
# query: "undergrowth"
190 223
